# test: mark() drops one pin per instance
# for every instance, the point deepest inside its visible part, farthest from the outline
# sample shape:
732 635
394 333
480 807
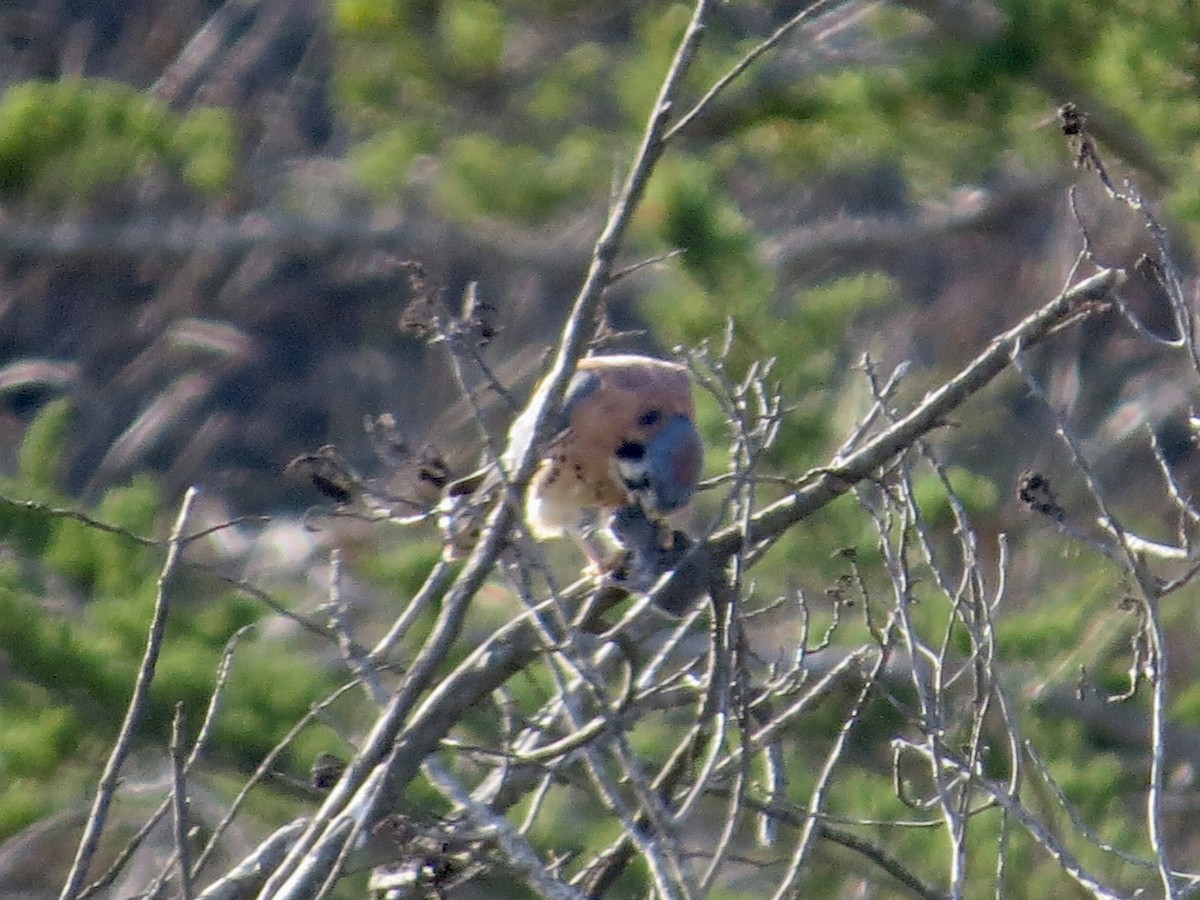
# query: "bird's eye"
631 451
649 417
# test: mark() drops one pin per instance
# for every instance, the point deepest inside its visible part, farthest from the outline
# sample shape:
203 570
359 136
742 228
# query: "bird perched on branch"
625 437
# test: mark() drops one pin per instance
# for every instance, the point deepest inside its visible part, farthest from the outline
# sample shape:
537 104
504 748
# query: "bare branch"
98 818
825 484
516 849
180 805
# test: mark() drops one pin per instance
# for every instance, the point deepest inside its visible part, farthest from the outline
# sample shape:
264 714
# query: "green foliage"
803 336
502 131
958 105
202 146
948 112
569 86
75 607
25 800
38 461
1092 782
33 747
690 212
1056 625
403 57
977 494
1185 707
382 160
47 651
1096 783
515 136
268 687
38 458
62 142
655 34
104 564
401 570
485 176
473 35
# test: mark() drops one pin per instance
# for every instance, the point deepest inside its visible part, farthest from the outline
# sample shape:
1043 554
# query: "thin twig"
826 484
237 584
207 728
816 800
382 741
335 609
180 805
518 852
98 817
263 769
809 12
1149 596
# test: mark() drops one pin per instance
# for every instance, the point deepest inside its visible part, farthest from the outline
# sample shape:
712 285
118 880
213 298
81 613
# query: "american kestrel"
626 437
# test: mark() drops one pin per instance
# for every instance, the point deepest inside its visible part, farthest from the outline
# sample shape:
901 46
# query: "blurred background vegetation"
203 210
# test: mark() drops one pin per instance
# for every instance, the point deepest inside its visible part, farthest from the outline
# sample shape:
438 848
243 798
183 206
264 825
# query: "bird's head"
660 466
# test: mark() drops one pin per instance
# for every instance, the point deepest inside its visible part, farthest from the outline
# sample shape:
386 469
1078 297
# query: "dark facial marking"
631 451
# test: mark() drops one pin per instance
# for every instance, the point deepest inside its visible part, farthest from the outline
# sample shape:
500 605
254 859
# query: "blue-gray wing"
582 386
